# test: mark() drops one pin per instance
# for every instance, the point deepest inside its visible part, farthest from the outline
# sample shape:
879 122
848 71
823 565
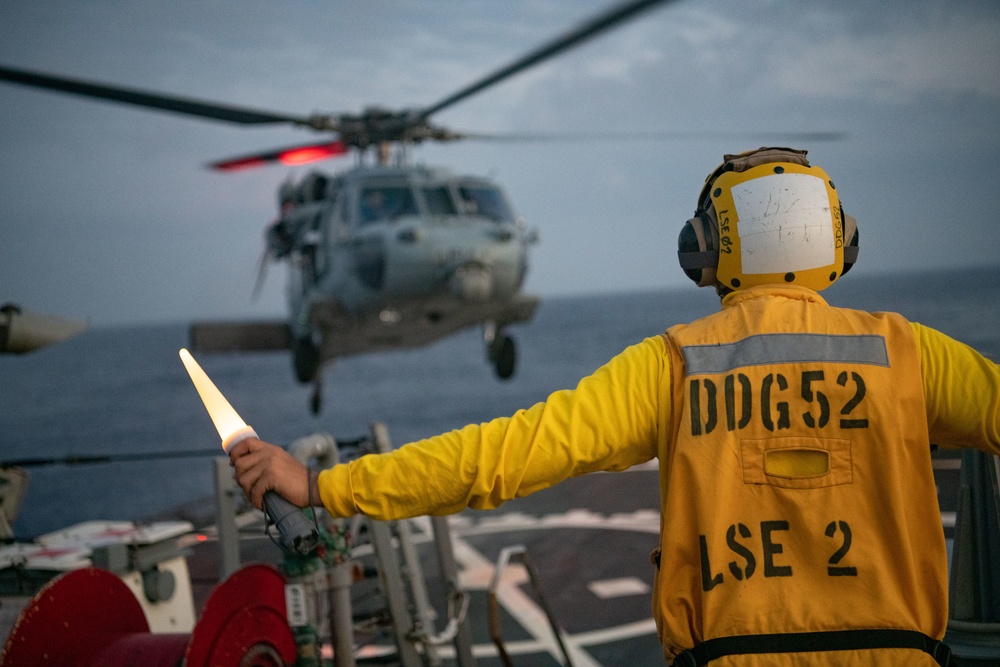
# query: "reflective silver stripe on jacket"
768 349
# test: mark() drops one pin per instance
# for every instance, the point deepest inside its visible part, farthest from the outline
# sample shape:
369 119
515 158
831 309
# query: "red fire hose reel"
89 617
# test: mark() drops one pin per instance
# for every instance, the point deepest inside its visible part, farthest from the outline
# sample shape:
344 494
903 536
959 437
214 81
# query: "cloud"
941 51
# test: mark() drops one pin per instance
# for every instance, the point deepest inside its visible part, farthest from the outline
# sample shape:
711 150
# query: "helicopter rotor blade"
291 155
590 28
373 126
651 135
151 100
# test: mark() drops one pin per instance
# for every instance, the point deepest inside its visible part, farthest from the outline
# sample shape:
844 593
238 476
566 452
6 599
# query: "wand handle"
297 534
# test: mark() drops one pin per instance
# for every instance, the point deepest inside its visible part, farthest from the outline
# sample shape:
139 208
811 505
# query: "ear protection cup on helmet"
698 249
852 241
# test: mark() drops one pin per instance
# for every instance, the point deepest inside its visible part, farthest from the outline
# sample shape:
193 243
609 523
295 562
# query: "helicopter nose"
471 282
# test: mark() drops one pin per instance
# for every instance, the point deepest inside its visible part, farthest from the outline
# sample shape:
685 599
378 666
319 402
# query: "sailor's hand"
262 467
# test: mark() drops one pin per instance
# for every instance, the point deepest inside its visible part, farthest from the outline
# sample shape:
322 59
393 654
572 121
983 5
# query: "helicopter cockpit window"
487 201
439 201
386 202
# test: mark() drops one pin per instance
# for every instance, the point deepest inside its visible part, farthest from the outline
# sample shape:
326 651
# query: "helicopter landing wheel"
503 353
316 399
306 359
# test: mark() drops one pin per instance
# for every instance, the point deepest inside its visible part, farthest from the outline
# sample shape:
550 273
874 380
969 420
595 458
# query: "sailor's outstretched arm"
611 421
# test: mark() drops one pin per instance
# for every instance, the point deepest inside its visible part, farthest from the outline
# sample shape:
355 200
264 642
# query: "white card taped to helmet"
784 223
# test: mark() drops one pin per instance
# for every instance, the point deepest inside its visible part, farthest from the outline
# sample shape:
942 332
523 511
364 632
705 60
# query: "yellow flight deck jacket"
793 442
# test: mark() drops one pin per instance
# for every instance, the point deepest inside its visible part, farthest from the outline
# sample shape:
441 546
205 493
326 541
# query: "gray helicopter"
385 255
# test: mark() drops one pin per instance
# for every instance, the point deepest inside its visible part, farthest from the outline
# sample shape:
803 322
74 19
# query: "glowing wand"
296 531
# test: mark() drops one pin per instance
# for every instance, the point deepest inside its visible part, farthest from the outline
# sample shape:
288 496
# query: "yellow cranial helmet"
768 217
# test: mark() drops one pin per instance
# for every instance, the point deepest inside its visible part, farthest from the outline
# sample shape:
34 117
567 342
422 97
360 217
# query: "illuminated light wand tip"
296 533
231 427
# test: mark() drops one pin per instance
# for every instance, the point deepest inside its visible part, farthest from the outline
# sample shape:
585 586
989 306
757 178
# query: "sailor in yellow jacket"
799 519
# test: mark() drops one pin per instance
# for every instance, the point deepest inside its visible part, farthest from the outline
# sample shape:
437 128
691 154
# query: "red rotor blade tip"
304 154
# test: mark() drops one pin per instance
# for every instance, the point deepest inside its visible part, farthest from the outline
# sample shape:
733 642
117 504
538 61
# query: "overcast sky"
108 213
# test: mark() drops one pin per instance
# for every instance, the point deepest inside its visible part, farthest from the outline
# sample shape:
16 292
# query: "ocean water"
124 391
